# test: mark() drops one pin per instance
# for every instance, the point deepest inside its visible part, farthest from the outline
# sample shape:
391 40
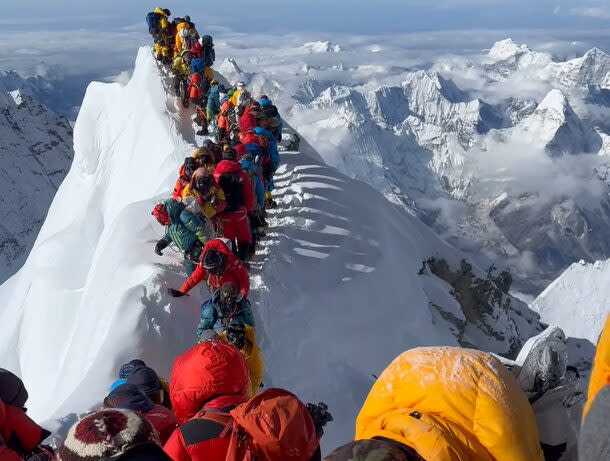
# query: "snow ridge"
327 272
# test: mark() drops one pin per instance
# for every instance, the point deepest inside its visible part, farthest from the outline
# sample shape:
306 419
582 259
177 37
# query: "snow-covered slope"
35 156
579 300
338 289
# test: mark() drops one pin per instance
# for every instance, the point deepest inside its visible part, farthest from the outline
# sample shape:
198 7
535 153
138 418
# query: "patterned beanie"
106 434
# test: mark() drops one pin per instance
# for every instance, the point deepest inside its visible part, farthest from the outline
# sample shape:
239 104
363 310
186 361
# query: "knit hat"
594 442
130 367
106 434
12 390
371 450
146 379
129 397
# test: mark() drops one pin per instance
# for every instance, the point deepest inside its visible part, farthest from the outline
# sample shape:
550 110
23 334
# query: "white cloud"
591 12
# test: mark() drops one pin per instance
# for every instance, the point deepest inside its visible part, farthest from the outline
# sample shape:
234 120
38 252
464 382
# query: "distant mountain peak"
507 48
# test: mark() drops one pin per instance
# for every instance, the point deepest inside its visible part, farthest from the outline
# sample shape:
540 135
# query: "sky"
355 16
76 42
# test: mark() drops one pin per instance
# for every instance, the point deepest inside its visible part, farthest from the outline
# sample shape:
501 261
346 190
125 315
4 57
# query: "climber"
248 117
235 92
213 102
269 111
188 231
207 382
112 434
243 336
181 66
159 28
239 192
209 197
208 155
257 220
130 397
595 431
186 34
225 305
133 365
185 174
197 90
219 266
20 436
227 123
261 142
445 403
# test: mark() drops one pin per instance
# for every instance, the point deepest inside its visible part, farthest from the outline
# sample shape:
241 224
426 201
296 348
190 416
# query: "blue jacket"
252 169
214 99
272 145
186 228
212 317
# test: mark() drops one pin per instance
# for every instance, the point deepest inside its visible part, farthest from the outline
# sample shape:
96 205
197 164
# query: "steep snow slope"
579 300
337 288
35 155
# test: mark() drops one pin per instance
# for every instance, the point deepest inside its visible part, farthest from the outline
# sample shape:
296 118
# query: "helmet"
161 215
213 262
236 333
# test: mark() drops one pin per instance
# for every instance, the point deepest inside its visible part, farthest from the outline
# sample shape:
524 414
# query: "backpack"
273 426
209 55
152 21
232 185
197 66
251 137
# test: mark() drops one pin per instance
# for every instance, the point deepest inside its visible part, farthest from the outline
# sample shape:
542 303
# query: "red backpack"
273 426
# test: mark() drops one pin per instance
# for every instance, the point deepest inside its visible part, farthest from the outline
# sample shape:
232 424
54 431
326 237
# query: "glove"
161 245
158 250
175 293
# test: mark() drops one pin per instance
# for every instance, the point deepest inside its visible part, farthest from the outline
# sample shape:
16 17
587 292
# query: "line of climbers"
430 404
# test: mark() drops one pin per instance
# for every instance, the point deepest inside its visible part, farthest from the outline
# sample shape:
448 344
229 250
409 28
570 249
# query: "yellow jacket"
181 66
163 22
235 96
179 41
600 375
254 359
451 404
207 207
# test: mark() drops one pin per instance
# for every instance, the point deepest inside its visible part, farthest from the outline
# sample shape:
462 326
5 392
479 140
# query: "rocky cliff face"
35 156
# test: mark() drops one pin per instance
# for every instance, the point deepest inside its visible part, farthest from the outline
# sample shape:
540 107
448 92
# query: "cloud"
590 12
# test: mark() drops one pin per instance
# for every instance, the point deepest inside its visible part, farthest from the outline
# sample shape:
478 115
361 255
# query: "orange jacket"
600 375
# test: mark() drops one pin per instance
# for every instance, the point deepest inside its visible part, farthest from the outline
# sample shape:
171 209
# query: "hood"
209 370
451 404
227 167
265 103
129 397
174 209
160 11
12 390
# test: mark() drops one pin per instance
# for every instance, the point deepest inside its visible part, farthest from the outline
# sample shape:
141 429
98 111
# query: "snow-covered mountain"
345 280
504 154
579 300
35 156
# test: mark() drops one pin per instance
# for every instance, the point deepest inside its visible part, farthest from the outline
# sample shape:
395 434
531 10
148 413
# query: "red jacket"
16 425
235 272
194 89
233 167
163 420
181 183
197 50
211 375
247 121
